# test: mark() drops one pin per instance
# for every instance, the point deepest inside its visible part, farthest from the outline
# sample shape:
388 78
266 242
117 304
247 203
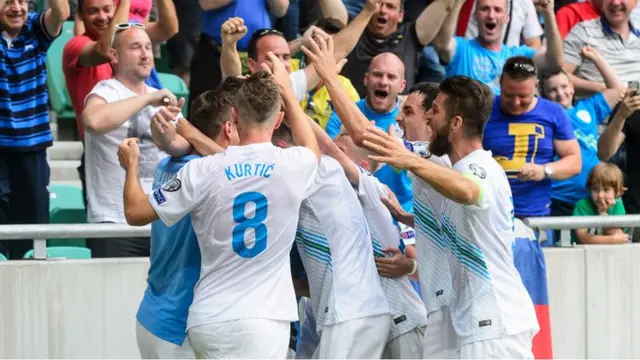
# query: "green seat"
58 94
66 206
2 258
63 252
177 87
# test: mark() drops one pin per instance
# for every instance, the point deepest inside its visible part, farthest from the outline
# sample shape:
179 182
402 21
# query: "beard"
440 144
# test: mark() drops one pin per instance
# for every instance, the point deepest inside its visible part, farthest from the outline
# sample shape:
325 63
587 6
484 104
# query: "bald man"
384 81
116 109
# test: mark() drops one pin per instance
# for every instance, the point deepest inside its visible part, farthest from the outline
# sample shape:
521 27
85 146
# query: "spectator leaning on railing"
24 123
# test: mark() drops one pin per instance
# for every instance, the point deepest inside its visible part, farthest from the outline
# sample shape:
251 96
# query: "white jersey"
244 206
407 308
491 301
434 254
335 248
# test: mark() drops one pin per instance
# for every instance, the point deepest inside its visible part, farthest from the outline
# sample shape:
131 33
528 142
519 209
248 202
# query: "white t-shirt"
491 301
104 176
407 308
524 23
335 247
244 206
434 254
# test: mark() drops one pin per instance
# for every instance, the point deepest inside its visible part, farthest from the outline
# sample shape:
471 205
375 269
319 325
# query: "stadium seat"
177 87
2 258
63 252
58 94
66 206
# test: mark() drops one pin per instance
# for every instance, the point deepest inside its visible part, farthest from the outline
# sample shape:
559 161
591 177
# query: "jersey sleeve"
478 174
462 45
563 128
333 125
370 190
598 107
179 196
523 50
565 18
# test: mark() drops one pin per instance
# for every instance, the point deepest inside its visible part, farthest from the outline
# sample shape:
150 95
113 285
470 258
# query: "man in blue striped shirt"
24 118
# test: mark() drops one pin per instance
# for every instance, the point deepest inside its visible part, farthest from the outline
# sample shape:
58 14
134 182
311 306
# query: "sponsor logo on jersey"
478 171
159 197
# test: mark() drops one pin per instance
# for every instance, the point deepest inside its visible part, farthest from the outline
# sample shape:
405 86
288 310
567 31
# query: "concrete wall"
86 308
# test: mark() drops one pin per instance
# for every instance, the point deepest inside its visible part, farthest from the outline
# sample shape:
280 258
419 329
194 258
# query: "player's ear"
279 119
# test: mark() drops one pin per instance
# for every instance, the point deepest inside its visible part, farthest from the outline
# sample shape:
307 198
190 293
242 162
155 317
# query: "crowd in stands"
564 125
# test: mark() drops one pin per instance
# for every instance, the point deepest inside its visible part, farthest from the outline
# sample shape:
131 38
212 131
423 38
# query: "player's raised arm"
300 127
322 59
444 180
137 209
330 148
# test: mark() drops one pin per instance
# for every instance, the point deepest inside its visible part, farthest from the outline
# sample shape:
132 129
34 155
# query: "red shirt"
572 14
81 80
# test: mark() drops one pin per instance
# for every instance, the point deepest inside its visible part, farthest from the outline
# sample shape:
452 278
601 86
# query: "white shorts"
440 340
152 347
516 346
406 346
363 338
309 339
243 338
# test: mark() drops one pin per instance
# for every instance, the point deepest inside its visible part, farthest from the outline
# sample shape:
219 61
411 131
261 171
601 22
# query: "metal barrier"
568 223
41 232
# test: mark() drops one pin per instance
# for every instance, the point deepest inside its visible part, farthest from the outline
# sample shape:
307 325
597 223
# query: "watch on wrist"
547 172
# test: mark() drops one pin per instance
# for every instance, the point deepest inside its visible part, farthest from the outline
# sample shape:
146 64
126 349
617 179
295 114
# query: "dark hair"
471 100
80 6
231 84
283 133
519 68
252 51
427 89
258 100
211 110
330 25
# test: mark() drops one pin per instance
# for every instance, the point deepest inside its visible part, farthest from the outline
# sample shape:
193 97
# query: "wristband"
415 267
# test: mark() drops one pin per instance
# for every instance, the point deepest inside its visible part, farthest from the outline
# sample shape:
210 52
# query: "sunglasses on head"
122 27
520 67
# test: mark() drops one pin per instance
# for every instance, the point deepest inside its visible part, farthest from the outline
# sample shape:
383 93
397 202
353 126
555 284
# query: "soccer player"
347 301
491 312
174 269
244 217
408 313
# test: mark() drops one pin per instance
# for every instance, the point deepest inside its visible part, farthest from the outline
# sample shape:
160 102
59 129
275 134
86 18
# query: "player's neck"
255 136
463 148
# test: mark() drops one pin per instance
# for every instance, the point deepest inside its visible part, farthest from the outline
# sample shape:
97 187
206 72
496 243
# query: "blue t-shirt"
399 182
472 60
585 117
174 270
254 13
527 138
382 120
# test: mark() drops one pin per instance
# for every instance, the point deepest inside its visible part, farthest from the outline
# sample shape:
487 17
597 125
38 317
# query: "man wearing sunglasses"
24 170
117 109
482 58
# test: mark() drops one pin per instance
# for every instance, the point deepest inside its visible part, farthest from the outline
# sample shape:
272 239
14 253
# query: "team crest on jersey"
173 185
478 171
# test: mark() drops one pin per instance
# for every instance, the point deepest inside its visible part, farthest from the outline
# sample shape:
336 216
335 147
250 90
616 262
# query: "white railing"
41 232
567 223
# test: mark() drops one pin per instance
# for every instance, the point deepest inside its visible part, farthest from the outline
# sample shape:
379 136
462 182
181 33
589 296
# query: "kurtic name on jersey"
243 170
